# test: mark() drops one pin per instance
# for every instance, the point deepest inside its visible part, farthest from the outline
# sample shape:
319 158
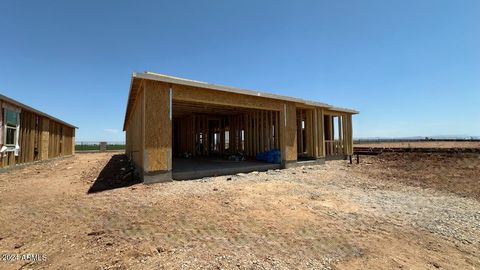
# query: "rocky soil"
408 211
422 144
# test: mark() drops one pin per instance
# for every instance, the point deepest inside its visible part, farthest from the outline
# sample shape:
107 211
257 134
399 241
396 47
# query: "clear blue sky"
410 67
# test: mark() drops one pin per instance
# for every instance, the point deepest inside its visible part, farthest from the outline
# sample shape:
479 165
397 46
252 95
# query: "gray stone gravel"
445 214
441 213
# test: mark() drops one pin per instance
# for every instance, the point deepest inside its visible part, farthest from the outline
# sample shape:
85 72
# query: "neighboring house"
169 120
28 135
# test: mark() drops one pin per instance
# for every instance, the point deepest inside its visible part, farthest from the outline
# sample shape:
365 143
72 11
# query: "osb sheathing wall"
158 131
40 138
289 132
60 141
348 134
134 131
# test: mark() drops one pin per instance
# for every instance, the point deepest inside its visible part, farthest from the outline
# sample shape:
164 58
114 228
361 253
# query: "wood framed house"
28 135
176 126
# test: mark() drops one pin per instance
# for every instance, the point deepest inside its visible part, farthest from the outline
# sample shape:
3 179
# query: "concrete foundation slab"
157 177
306 162
195 168
339 157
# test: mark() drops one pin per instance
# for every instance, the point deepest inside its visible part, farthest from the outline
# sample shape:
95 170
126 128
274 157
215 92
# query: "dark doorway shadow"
118 173
305 158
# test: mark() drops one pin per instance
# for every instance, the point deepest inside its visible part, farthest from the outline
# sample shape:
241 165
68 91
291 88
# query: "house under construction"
180 129
28 135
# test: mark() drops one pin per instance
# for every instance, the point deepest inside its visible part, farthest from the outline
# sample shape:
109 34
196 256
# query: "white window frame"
7 127
15 147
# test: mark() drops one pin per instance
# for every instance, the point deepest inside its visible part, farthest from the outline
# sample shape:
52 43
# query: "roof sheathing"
175 80
28 108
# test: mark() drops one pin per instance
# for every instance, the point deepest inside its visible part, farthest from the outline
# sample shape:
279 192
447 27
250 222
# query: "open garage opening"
211 140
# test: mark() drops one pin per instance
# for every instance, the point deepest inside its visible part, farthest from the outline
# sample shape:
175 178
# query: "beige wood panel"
321 133
202 95
288 132
40 138
158 127
134 131
44 139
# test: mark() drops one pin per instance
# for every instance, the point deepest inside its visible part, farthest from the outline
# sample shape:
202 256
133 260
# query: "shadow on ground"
118 173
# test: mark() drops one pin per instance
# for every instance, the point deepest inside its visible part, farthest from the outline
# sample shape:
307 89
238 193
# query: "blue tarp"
272 156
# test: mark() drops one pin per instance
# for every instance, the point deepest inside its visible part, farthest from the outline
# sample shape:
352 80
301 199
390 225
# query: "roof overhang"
138 77
343 110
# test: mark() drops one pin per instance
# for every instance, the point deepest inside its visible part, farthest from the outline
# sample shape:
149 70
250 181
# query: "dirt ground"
423 144
393 211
